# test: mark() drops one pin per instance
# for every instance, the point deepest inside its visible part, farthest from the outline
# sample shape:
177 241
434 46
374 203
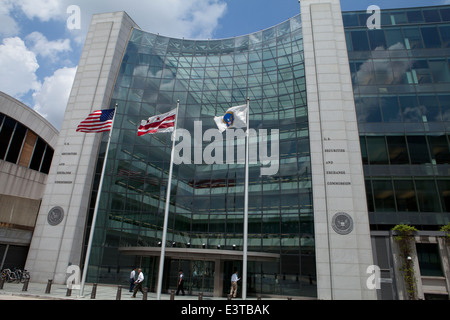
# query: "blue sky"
39 54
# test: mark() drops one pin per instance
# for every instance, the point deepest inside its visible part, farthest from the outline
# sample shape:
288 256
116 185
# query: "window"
394 39
413 38
440 70
427 196
377 39
431 15
360 41
410 109
414 16
350 19
430 108
15 146
376 147
445 34
418 150
431 37
439 149
444 191
383 196
398 153
369 196
405 195
5 135
429 259
445 13
37 155
445 106
390 109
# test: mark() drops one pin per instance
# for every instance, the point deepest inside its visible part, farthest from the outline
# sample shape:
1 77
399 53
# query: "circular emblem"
228 119
342 223
55 216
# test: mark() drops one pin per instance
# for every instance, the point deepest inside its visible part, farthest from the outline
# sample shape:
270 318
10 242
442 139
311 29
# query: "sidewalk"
104 292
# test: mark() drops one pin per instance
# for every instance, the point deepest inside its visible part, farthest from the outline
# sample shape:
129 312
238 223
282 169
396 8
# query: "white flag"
235 117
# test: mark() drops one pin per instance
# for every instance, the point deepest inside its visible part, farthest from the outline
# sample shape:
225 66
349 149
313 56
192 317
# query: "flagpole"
166 212
247 157
97 203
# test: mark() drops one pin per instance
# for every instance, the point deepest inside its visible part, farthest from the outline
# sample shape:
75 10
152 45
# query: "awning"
198 254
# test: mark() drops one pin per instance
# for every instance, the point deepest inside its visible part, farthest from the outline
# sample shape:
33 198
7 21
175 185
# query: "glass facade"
207 201
401 79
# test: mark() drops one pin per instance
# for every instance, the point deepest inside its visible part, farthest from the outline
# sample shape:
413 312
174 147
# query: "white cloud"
45 48
44 10
18 67
8 26
175 18
51 100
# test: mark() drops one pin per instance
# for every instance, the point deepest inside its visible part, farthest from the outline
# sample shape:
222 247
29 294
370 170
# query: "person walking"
138 283
132 279
180 282
234 284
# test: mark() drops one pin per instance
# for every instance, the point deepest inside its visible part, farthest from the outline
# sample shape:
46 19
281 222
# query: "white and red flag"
158 124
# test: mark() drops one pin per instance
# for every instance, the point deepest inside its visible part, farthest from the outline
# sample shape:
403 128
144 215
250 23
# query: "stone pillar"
342 233
58 242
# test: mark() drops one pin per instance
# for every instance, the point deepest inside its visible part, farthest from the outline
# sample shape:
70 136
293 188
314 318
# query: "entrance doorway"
198 276
230 267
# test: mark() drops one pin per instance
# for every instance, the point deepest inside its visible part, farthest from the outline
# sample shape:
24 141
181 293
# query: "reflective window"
383 196
390 109
418 150
431 15
394 38
360 41
405 195
427 196
445 35
376 148
5 135
429 259
398 152
431 37
439 149
377 39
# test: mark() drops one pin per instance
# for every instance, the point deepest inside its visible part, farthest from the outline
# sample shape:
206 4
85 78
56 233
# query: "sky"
41 40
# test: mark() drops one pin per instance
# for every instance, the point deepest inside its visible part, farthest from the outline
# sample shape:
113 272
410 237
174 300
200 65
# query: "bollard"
145 293
25 285
2 283
49 286
200 296
94 291
119 293
69 292
172 295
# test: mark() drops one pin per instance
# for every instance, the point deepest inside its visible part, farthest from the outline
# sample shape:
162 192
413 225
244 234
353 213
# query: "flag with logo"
235 117
98 121
158 124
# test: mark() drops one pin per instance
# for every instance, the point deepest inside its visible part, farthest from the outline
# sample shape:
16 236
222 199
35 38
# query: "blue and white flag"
235 118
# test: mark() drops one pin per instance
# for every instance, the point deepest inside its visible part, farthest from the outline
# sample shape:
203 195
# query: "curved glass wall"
207 201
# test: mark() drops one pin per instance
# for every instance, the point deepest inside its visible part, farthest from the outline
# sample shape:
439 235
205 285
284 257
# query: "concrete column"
343 246
57 245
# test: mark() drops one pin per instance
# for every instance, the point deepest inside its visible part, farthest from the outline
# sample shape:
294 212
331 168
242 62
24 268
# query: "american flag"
158 124
98 121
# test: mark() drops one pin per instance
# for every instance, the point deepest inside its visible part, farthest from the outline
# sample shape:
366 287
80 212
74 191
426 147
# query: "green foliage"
405 239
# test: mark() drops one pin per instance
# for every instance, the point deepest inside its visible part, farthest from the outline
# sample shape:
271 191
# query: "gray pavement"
37 291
